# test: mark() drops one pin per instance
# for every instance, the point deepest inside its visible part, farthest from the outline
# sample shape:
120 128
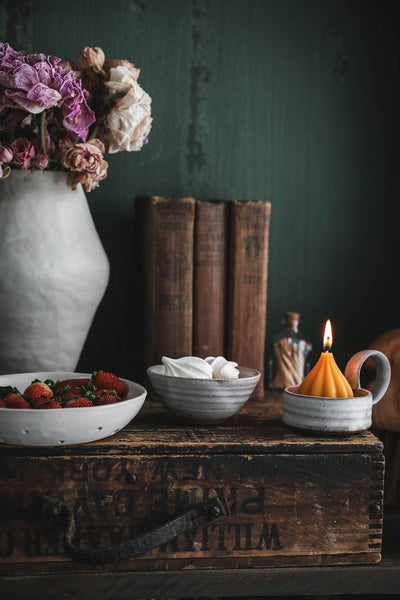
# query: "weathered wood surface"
362 580
295 499
257 424
283 506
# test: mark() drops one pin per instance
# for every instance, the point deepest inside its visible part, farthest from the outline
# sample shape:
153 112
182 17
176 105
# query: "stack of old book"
206 269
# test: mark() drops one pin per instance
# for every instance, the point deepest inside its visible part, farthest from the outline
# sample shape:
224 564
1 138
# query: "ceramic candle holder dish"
339 415
64 426
203 401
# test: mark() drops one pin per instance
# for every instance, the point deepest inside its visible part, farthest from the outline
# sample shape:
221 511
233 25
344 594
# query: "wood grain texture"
315 507
155 431
352 579
295 499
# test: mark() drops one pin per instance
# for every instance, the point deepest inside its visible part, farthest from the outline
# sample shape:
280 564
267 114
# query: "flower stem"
42 135
93 134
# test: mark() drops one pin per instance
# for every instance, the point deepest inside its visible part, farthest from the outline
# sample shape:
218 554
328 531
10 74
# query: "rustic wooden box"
295 499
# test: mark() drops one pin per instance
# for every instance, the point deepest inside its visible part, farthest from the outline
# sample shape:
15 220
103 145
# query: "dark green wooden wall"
292 101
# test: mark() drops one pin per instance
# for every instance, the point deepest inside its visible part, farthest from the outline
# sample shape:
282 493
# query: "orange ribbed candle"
326 379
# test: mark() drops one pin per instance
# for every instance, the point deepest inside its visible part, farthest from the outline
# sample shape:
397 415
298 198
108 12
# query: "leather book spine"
249 242
210 278
169 258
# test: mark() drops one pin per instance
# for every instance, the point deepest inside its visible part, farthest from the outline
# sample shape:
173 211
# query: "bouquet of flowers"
60 115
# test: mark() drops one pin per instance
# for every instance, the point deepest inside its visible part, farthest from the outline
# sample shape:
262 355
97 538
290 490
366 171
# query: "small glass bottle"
288 366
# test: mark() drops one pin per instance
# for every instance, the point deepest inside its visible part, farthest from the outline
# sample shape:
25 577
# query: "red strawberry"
72 383
49 404
14 401
105 397
36 389
11 396
70 394
2 405
109 381
79 402
37 402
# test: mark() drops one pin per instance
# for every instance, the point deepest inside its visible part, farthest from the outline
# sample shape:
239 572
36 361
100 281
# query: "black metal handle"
201 514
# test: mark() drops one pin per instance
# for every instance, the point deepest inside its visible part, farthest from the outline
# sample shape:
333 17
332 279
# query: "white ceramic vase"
53 272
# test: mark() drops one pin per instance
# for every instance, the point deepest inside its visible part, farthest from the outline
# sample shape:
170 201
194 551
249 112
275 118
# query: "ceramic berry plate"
65 426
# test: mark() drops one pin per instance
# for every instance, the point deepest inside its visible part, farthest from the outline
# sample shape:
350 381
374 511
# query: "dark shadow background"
295 102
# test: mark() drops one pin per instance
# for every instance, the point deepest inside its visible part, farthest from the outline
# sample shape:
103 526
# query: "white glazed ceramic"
53 272
339 415
65 426
202 401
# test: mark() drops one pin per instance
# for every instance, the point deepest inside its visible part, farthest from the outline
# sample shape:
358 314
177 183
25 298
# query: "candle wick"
328 344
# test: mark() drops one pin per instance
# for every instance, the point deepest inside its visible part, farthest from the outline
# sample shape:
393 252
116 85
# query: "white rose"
129 121
121 79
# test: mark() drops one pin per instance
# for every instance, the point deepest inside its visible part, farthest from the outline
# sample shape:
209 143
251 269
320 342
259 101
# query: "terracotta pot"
53 272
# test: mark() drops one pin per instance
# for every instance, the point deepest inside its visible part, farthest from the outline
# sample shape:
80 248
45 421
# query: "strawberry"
108 381
15 401
2 405
49 404
11 396
6 389
71 393
78 402
71 383
37 402
37 389
105 397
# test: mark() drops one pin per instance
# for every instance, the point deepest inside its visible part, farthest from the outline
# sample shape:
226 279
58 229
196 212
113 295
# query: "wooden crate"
295 499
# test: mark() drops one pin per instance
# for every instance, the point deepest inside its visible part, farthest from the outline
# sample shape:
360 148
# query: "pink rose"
86 163
23 151
92 58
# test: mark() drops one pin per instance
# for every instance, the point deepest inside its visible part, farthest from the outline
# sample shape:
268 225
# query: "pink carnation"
34 83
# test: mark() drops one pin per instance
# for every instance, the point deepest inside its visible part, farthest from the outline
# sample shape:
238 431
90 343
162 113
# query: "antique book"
249 236
210 278
169 232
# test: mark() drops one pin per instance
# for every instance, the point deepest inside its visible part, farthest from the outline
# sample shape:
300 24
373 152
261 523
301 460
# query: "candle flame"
328 336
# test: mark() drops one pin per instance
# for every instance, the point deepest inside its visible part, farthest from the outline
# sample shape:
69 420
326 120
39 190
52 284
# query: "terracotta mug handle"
353 368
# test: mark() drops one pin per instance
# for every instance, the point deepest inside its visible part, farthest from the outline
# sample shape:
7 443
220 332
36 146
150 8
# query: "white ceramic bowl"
61 427
203 401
